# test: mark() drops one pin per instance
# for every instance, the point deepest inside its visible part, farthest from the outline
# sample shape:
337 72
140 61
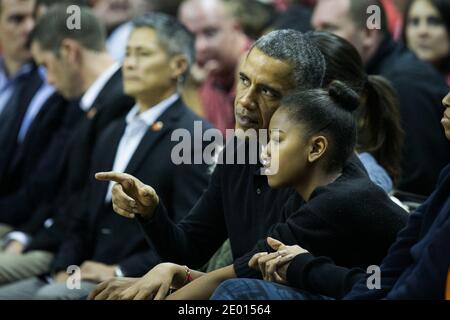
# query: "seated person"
105 244
345 216
238 193
84 73
426 32
416 266
380 137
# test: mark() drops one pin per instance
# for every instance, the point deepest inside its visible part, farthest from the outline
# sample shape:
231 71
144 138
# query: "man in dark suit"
30 111
159 53
81 69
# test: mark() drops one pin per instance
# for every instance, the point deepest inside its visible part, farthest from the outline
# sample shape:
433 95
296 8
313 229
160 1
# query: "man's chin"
272 182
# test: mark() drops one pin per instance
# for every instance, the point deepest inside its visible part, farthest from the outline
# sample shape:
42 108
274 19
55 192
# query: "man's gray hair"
300 52
171 34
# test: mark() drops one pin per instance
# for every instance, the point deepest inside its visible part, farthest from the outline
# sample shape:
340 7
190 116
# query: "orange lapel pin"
157 126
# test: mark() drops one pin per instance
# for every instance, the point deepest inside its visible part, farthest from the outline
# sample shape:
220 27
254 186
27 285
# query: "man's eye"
268 92
244 81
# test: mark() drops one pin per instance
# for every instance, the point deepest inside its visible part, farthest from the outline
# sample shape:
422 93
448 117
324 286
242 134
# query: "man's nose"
129 62
248 100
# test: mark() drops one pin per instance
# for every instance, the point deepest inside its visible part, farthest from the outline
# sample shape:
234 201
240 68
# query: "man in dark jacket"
31 113
102 243
81 69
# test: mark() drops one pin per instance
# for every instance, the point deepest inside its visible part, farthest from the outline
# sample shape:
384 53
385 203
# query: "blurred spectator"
16 22
105 245
32 112
420 88
297 17
380 137
42 6
79 67
116 15
220 43
112 13
253 15
427 32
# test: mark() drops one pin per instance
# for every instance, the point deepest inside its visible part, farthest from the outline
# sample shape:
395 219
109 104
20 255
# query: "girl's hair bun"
343 95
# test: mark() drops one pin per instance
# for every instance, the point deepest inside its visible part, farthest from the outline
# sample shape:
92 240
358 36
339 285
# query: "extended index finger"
112 176
446 100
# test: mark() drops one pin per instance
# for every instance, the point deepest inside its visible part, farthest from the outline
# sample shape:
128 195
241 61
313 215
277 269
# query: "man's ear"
71 51
178 65
317 149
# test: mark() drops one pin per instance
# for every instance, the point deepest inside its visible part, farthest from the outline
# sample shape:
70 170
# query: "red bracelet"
188 276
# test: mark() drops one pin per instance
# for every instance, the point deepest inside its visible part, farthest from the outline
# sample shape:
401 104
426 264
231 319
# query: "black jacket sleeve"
320 275
195 239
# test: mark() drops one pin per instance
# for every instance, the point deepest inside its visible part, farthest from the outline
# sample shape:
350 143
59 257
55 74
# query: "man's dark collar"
386 47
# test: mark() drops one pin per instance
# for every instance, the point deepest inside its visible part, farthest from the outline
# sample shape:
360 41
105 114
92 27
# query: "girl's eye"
275 139
434 21
413 21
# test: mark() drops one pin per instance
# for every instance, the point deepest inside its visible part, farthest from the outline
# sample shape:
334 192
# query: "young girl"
416 267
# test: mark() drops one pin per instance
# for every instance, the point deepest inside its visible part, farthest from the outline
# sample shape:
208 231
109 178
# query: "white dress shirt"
137 125
94 90
117 41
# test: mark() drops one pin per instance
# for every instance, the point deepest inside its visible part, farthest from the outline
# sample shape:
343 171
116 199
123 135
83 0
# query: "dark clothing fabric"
416 266
20 163
17 107
322 275
101 235
238 204
35 160
420 90
351 220
37 202
418 263
26 86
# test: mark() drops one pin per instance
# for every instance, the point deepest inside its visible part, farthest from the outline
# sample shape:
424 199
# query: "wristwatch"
118 272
